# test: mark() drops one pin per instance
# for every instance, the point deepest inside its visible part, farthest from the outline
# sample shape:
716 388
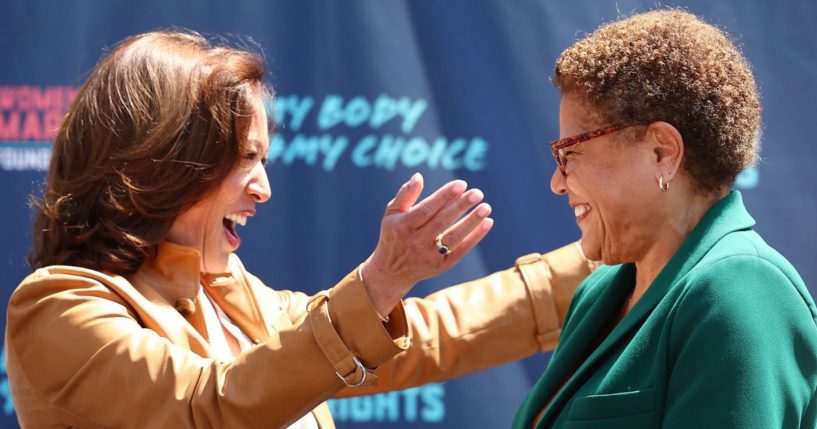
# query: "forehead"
258 134
577 115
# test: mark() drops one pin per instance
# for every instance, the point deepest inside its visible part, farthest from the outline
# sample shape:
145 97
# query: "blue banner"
370 92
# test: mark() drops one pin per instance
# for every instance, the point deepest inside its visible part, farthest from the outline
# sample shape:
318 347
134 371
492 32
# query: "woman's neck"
681 216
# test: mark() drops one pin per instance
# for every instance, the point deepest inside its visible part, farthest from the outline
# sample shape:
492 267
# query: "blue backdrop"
370 92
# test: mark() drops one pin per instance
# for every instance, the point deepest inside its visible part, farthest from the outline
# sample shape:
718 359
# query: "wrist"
383 318
384 292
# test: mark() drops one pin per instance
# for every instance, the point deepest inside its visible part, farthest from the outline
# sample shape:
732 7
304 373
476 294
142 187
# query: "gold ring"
442 248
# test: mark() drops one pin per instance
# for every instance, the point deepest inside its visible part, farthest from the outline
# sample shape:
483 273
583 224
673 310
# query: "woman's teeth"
581 209
237 219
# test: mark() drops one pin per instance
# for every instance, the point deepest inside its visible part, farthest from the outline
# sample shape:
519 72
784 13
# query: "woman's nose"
259 188
557 182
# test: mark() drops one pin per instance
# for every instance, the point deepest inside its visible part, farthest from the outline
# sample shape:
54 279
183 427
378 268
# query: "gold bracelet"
384 319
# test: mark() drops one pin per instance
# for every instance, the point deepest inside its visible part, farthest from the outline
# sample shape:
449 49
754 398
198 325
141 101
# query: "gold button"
185 306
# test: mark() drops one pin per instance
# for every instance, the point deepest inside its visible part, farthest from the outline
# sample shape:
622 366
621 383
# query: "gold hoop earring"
662 186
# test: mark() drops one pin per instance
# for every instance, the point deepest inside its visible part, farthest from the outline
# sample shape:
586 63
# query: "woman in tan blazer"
137 301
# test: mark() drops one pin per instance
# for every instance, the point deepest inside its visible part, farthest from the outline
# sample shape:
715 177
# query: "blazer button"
185 306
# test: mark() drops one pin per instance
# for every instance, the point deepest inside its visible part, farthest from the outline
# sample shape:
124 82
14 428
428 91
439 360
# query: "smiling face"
210 225
610 184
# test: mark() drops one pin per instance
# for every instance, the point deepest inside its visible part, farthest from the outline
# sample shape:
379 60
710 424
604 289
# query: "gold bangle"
384 319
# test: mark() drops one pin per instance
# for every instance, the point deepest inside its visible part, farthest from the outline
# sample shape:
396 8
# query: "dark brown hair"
159 123
670 66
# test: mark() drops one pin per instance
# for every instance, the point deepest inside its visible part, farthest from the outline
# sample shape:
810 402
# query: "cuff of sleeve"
568 268
551 280
537 280
358 324
347 366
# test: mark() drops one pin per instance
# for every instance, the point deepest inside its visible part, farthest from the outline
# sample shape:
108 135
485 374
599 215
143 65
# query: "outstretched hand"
408 252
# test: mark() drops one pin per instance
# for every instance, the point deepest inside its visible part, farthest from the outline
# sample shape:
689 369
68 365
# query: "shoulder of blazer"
55 273
742 272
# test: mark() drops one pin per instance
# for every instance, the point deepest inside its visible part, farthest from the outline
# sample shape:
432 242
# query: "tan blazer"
90 350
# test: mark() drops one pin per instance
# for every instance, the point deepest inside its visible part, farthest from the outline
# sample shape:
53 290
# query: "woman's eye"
250 158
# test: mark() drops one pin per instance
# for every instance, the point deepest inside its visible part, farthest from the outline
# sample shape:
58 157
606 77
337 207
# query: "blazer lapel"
580 333
234 295
601 310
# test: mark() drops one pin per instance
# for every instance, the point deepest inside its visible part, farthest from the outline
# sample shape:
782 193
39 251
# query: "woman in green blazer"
694 322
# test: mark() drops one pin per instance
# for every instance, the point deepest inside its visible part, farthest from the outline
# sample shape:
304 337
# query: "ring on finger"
442 248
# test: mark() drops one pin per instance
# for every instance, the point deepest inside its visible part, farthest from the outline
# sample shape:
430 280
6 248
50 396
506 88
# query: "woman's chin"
591 252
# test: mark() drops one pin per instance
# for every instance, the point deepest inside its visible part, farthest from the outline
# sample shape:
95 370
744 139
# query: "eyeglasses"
557 147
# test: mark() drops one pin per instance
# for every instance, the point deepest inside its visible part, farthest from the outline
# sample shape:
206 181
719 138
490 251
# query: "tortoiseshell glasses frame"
557 147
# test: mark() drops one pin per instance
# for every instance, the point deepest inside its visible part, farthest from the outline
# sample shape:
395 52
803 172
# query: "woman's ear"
668 147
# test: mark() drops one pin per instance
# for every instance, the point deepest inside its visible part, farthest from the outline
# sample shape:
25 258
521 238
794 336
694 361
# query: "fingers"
473 237
407 195
457 234
426 209
406 251
454 210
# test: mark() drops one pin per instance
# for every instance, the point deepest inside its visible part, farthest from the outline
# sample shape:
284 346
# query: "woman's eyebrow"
258 144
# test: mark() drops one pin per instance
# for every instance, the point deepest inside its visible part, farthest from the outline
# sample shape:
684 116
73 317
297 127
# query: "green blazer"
725 337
